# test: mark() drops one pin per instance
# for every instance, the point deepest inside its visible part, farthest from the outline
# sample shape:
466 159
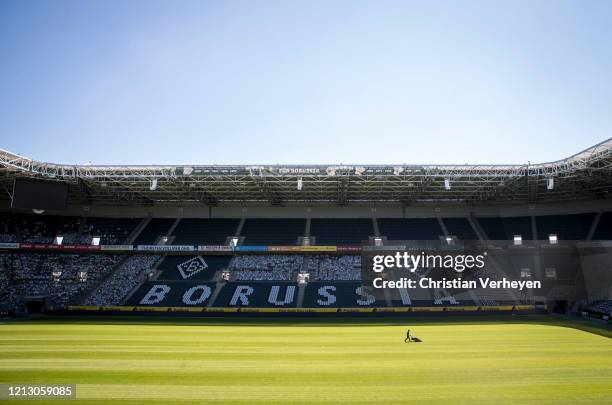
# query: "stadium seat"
566 227
204 231
155 228
460 227
505 228
272 231
112 231
604 227
410 228
341 230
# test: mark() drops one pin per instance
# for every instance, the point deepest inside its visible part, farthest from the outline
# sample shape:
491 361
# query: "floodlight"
303 278
518 240
552 238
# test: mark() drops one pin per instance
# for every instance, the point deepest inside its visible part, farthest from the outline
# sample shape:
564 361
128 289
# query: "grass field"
517 360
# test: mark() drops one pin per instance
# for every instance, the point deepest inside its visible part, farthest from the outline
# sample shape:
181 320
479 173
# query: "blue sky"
294 82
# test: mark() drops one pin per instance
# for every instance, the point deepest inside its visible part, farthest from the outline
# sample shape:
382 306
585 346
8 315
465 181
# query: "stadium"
248 283
305 202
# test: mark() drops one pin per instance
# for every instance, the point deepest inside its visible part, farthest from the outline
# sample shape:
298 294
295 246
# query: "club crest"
192 266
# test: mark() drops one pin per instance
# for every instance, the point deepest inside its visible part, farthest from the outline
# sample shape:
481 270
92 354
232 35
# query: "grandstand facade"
240 238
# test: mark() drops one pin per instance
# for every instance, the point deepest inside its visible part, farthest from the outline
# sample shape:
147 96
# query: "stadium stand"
261 275
566 227
5 280
328 268
332 295
412 297
111 231
273 231
257 294
559 266
602 307
74 230
24 274
452 297
342 198
58 277
410 228
497 228
172 293
266 267
204 231
155 228
489 297
116 287
341 230
460 228
604 227
44 229
8 229
192 267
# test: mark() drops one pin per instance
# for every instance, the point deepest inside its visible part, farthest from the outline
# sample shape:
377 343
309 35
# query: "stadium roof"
585 175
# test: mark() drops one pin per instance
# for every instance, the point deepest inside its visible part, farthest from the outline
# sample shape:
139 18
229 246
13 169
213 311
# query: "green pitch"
516 360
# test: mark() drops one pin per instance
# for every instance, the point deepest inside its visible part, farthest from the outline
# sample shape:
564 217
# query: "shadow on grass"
590 326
